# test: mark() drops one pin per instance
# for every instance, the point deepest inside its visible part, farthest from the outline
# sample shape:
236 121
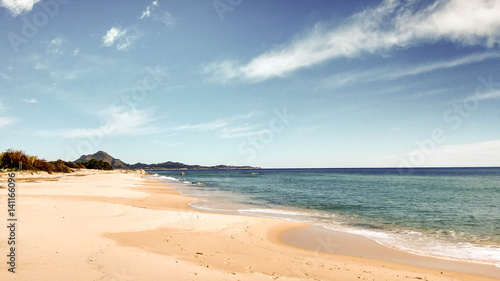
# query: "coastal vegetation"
18 160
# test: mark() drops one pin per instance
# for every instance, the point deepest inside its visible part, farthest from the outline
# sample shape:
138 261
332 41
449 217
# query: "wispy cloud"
38 65
210 126
5 121
5 76
240 131
147 13
164 143
225 128
154 12
31 100
391 24
55 46
424 68
112 35
480 154
488 96
122 38
17 7
342 79
471 155
118 121
118 37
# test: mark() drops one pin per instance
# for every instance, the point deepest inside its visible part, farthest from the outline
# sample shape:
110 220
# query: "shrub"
49 167
60 167
97 164
72 165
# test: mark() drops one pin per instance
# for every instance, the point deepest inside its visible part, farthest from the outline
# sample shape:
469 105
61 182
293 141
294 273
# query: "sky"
275 84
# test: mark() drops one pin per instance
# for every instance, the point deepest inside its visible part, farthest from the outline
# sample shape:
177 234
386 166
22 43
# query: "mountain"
101 155
169 165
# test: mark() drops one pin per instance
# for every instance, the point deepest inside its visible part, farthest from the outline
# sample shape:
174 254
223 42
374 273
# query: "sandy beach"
123 226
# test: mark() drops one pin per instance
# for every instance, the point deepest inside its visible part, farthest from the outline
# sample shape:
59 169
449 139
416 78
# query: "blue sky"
265 83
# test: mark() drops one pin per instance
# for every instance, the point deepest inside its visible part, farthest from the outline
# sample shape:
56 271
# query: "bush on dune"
61 167
19 160
74 165
97 164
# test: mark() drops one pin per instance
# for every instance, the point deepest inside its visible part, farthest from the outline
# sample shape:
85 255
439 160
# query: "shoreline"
317 238
320 231
134 227
324 240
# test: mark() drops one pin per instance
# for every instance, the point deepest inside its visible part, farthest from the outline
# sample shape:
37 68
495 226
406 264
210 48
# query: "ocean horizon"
450 213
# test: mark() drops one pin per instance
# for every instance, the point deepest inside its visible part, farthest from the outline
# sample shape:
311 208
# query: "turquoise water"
451 213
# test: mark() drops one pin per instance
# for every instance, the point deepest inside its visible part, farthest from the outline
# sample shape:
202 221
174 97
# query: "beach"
94 225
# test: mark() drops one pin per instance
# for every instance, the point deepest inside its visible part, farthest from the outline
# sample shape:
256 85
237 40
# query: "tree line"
15 160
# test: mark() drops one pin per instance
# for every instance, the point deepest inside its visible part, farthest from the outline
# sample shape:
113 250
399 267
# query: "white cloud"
76 52
66 75
164 17
488 96
424 68
391 24
481 154
240 131
225 128
31 100
17 7
125 43
118 37
117 121
112 35
54 46
5 121
123 38
154 12
147 13
466 155
210 126
393 74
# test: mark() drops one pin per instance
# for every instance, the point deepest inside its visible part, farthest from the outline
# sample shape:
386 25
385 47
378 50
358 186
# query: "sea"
450 213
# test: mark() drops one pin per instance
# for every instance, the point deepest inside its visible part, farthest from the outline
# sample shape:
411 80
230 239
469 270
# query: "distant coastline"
18 160
169 165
